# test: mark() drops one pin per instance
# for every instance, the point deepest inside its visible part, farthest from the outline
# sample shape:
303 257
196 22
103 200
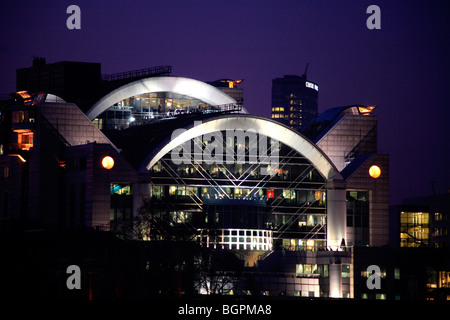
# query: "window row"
295 196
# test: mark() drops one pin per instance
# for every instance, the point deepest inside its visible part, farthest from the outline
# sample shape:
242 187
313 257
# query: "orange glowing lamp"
374 171
108 162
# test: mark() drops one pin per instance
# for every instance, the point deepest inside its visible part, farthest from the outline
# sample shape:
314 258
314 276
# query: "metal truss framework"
204 178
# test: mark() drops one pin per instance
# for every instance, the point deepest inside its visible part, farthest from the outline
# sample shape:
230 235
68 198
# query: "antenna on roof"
306 69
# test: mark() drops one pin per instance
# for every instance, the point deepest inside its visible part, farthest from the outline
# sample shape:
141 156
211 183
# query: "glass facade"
294 101
237 239
414 229
148 107
121 221
358 217
437 279
286 208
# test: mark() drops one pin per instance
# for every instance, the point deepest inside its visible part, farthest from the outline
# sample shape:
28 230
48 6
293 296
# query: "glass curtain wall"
149 107
290 201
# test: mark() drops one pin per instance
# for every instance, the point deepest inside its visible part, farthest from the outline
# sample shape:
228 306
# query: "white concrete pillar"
335 272
336 216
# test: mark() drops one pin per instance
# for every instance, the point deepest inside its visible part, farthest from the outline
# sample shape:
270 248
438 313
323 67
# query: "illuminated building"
231 88
421 222
294 101
151 99
83 83
299 215
348 135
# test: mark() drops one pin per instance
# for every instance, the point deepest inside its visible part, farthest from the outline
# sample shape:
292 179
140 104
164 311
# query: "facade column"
335 273
336 215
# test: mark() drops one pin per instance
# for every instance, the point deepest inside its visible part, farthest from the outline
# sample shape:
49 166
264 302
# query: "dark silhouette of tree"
158 219
218 272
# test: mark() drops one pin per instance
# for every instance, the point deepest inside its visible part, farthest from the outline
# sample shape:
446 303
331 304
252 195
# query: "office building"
231 88
77 82
285 204
421 222
294 101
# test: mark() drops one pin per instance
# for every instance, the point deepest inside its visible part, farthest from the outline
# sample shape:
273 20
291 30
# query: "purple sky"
403 68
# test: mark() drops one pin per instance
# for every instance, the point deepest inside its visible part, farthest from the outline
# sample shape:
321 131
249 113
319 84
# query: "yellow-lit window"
25 140
414 229
444 279
288 194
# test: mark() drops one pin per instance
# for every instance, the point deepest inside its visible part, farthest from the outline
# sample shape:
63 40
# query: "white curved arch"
179 85
263 126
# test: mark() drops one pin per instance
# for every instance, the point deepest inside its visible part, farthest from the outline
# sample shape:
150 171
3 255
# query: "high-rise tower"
294 100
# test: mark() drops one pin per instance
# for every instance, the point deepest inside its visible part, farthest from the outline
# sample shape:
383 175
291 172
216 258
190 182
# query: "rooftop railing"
159 70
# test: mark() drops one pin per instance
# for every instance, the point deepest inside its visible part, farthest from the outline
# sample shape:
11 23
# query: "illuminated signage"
312 85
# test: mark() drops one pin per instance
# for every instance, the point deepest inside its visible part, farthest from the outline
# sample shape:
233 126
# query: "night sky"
402 68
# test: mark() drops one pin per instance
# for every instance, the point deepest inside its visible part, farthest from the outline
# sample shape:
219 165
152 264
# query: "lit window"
25 140
121 189
414 229
397 273
365 110
345 270
288 194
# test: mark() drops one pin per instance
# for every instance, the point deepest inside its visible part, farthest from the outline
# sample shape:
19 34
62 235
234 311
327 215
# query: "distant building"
81 83
76 82
295 223
55 175
348 136
231 88
421 222
294 101
406 274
